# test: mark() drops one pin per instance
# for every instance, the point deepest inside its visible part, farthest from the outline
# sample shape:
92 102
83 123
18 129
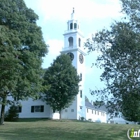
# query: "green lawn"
63 130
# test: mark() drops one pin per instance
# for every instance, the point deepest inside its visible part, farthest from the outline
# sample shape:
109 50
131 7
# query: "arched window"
71 26
79 42
75 25
70 41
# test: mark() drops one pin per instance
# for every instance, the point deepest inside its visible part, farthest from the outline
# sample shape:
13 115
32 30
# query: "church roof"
101 108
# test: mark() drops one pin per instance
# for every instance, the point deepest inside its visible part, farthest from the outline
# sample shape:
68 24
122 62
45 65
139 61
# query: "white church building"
73 46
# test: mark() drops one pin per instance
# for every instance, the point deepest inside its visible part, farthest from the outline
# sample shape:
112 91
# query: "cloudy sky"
94 15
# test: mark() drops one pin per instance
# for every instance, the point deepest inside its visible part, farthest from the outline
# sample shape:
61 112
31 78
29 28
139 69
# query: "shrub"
12 113
90 120
82 118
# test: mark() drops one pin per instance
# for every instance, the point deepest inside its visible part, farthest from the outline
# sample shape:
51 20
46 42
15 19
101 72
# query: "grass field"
63 130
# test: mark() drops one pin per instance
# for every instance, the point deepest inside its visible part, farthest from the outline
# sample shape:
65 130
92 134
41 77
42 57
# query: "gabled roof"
101 108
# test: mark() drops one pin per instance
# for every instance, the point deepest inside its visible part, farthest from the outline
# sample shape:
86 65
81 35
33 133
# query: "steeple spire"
73 14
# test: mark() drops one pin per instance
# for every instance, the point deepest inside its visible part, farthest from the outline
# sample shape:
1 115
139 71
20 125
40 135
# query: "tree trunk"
60 114
2 111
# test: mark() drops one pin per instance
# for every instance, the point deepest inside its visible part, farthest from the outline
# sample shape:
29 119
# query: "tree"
119 58
21 50
63 80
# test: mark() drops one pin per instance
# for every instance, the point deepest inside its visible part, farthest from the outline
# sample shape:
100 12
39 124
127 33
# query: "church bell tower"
74 46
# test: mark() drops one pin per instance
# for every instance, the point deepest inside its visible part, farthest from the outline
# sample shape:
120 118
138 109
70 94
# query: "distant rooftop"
101 108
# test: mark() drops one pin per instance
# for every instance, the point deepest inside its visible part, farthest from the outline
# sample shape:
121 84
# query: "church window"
37 108
116 114
75 25
72 110
81 107
70 41
81 93
79 42
92 111
80 76
71 26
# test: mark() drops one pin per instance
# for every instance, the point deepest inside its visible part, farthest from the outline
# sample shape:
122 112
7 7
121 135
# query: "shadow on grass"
31 119
47 119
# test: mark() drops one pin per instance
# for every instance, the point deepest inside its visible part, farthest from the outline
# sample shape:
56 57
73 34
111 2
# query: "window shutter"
20 109
42 108
32 108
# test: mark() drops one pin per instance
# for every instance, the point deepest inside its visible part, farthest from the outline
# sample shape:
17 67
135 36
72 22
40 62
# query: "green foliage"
63 80
82 119
21 50
12 113
119 58
98 103
131 108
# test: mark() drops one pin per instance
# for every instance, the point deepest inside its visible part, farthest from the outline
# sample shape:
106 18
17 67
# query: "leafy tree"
21 51
63 80
119 58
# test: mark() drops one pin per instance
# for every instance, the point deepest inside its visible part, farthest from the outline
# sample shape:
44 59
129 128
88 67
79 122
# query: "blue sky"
94 15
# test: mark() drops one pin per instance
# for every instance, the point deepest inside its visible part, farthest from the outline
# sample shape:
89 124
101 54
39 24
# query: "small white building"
95 114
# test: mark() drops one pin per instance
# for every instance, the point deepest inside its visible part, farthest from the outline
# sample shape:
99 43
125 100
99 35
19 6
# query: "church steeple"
73 46
73 23
73 37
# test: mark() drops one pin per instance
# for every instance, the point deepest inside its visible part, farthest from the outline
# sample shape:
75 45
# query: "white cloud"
85 9
55 46
88 70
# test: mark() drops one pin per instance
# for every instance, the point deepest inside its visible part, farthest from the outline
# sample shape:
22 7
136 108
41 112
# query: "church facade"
73 46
